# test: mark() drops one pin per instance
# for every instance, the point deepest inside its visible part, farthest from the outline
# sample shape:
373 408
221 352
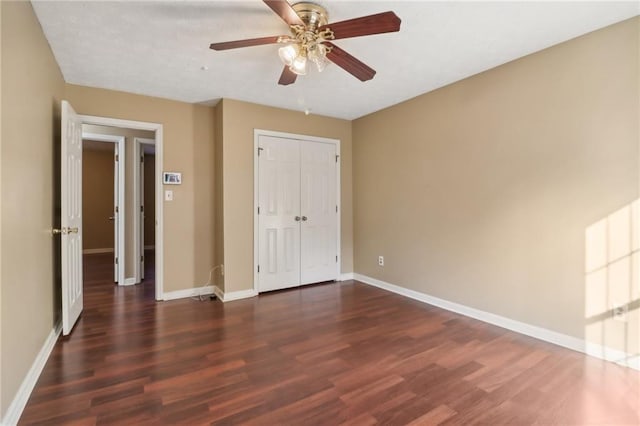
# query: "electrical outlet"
380 260
619 313
168 195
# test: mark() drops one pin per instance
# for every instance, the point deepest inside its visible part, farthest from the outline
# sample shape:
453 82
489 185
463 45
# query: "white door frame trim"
121 199
256 249
137 182
158 129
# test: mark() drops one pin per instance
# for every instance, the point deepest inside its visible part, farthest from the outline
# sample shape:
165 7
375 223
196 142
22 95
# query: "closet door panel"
318 210
279 202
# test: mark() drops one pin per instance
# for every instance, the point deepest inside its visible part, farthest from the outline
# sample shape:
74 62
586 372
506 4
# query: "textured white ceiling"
159 48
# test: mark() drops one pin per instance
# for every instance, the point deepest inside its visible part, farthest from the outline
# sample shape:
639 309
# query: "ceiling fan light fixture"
299 65
318 56
288 54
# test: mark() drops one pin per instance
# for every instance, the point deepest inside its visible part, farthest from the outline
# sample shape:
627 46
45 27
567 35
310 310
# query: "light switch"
168 195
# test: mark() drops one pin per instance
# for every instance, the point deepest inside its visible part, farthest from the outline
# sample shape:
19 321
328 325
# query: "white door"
297 217
71 217
318 207
114 217
279 214
141 221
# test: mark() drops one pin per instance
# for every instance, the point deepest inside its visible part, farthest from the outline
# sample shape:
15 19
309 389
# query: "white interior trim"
130 281
158 129
560 339
256 184
120 140
189 292
16 407
137 183
234 295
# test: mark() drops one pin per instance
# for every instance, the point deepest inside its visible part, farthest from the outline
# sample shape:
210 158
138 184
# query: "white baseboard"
97 251
16 407
346 276
188 292
219 293
234 295
129 281
560 339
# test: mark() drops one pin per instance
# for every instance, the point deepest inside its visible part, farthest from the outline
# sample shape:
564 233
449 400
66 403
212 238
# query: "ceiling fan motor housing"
313 15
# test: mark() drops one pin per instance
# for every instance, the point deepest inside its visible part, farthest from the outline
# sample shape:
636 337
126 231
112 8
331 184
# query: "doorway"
103 194
145 193
297 210
151 132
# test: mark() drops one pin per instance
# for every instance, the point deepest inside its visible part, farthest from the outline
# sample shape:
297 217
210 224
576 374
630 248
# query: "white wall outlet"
380 260
168 195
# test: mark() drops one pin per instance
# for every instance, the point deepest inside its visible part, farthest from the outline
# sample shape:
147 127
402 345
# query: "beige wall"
188 132
32 88
481 192
149 199
239 119
97 197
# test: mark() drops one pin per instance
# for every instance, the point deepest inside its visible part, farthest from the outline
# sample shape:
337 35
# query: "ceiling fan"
311 39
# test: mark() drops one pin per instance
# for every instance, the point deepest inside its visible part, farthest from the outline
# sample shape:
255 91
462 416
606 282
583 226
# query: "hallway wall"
97 197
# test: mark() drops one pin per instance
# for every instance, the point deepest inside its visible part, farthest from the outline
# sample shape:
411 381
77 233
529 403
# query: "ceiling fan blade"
244 43
350 64
284 10
386 22
287 77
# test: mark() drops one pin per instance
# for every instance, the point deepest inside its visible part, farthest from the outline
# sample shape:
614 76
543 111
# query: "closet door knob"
304 218
297 218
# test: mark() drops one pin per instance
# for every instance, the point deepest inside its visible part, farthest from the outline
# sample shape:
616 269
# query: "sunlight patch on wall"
612 283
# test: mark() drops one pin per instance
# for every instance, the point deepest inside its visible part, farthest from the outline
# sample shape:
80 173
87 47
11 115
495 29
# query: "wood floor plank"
327 354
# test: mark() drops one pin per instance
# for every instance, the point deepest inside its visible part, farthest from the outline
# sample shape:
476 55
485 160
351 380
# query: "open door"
71 217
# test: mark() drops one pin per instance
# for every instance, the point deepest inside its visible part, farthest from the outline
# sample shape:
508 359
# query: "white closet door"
279 216
319 246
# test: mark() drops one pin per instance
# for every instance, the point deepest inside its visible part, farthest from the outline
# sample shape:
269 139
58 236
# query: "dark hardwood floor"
327 354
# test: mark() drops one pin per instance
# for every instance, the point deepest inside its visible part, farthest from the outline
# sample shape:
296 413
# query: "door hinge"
260 149
258 209
142 159
337 156
258 268
116 157
141 258
142 208
336 209
116 209
116 260
336 258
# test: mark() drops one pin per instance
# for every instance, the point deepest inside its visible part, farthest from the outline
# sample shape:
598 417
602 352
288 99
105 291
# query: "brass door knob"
64 231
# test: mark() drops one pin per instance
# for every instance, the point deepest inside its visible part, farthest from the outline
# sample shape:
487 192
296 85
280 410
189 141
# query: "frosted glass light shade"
318 56
299 65
288 54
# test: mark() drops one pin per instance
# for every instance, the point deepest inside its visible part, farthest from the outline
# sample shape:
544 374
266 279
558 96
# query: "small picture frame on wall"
171 178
